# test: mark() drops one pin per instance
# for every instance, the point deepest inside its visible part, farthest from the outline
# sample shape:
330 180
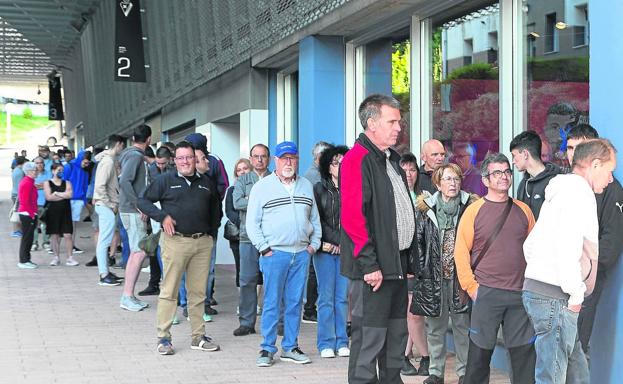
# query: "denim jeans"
285 276
249 270
125 244
332 302
560 358
210 282
182 293
107 220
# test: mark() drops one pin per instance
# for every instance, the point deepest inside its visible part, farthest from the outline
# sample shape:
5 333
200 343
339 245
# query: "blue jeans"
183 299
210 283
560 358
107 221
332 302
125 243
285 275
249 270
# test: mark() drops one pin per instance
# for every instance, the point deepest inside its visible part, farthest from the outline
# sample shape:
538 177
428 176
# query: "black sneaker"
243 331
115 277
433 379
92 262
212 302
77 250
149 291
108 281
407 368
311 318
423 369
209 310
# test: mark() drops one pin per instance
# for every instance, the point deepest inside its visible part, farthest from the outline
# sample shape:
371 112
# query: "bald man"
433 156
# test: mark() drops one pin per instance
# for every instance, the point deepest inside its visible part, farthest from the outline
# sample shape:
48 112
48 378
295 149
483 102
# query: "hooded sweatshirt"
133 178
106 187
78 177
532 189
561 251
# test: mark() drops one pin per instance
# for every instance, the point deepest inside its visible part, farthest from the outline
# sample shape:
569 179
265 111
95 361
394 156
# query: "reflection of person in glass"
464 155
559 117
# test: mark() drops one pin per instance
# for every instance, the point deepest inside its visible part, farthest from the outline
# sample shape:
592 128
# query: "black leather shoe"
433 379
243 331
92 262
149 291
424 363
407 368
210 311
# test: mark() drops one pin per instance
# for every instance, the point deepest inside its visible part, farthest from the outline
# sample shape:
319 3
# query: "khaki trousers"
179 255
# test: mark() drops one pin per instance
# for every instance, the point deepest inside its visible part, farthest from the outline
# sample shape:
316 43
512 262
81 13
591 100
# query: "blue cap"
286 147
198 141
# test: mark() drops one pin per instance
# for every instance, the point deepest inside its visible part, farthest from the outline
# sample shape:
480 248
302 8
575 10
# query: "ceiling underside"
37 36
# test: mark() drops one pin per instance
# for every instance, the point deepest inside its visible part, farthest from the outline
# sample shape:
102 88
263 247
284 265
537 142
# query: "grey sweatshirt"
133 179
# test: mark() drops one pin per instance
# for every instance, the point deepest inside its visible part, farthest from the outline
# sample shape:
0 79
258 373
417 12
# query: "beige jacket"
106 191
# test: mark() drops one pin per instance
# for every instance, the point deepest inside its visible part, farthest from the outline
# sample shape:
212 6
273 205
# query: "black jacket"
610 216
328 202
428 274
532 189
369 237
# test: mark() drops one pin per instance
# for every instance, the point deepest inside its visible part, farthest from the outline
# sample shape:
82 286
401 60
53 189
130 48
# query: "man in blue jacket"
76 173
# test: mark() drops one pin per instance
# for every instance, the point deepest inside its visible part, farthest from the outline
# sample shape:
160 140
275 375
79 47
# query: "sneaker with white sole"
265 359
27 265
55 261
343 352
327 353
295 356
139 302
207 318
71 262
165 347
204 343
127 303
77 250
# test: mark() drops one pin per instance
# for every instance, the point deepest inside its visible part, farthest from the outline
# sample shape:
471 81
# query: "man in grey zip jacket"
132 182
249 256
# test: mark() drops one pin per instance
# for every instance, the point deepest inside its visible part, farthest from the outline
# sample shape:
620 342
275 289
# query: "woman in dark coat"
437 293
332 286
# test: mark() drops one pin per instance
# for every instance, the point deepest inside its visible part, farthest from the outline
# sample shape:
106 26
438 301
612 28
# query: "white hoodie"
562 248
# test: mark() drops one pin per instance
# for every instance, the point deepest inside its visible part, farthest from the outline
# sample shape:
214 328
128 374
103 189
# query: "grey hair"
587 151
37 158
318 148
29 166
370 108
493 158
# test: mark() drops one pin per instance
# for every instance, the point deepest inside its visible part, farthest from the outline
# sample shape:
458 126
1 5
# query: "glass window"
401 83
557 71
465 110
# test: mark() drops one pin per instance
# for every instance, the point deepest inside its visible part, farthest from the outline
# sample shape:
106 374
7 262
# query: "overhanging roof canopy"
38 35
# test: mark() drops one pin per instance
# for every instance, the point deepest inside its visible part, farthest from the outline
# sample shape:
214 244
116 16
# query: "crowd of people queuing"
385 254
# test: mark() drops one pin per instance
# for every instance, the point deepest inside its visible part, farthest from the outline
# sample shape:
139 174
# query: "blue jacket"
78 177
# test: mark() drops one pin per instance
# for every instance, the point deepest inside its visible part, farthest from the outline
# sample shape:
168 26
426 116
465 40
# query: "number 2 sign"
129 54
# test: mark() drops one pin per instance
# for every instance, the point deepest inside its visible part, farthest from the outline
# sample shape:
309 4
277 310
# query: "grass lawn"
21 127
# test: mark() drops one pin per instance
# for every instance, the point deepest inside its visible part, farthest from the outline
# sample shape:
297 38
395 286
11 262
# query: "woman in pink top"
27 197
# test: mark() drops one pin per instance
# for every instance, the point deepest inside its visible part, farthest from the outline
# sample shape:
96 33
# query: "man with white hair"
433 156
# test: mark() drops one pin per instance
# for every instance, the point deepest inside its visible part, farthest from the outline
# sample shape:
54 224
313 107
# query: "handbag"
13 215
231 232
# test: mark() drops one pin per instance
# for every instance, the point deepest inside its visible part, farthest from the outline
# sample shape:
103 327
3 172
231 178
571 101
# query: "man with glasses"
249 255
190 214
283 224
490 266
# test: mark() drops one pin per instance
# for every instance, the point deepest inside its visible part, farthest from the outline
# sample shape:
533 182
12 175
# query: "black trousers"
587 313
28 235
155 273
312 292
235 249
378 332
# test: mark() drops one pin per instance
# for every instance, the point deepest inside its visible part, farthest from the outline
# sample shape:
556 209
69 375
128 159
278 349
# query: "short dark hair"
56 165
370 107
97 151
163 152
582 131
409 158
530 141
141 133
170 145
562 108
327 157
493 158
114 139
184 144
149 152
87 155
260 145
20 160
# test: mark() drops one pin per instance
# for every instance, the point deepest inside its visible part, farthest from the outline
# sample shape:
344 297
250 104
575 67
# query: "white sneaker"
55 261
327 353
27 265
343 352
71 262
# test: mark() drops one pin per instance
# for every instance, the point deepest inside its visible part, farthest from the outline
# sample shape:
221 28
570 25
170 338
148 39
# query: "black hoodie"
532 189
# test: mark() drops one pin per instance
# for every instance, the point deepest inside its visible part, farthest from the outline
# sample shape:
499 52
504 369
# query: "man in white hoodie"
561 256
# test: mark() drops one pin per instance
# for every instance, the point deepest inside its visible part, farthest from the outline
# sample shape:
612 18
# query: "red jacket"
27 196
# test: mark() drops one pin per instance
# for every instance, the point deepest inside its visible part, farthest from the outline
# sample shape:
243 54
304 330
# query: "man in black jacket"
610 217
526 151
378 226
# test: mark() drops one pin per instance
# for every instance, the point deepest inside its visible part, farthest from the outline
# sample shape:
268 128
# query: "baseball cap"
286 147
198 141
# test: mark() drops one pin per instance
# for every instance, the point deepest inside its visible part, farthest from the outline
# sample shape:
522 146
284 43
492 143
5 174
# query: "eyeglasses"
450 179
259 157
498 174
184 158
38 162
289 159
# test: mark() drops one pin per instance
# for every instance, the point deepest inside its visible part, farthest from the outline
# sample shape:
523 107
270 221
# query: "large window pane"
401 83
466 90
556 67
